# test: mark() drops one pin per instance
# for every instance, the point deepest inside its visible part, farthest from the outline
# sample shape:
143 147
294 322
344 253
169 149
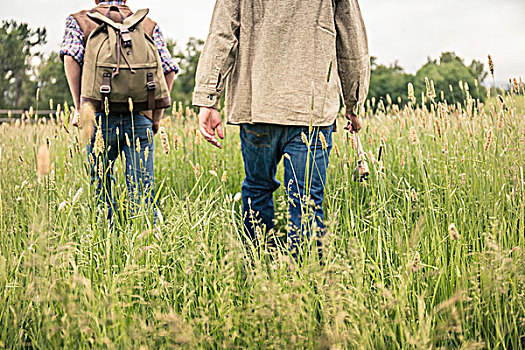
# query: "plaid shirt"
73 43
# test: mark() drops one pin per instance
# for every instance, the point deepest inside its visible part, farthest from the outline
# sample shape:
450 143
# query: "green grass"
392 276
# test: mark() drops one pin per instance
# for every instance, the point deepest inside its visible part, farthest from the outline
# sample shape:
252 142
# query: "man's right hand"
209 122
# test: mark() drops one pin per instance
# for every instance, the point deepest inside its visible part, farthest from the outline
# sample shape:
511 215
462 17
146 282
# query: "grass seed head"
106 106
453 232
164 140
304 138
416 263
176 140
237 197
77 196
323 141
150 138
491 66
198 139
43 161
100 169
489 139
137 145
414 139
99 142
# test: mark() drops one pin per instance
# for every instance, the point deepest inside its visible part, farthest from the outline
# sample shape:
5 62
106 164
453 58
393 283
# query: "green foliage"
51 83
390 80
18 44
187 60
445 73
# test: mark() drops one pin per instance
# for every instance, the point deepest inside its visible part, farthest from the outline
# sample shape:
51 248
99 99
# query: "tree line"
26 69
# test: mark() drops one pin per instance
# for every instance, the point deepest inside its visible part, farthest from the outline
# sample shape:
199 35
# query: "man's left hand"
354 123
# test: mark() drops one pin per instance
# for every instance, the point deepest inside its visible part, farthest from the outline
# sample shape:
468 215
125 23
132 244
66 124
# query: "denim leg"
305 177
101 164
261 155
138 156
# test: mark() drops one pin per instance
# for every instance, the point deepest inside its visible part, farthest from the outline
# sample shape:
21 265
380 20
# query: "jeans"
133 138
305 163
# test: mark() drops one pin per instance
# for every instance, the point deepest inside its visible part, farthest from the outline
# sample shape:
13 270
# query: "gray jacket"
284 61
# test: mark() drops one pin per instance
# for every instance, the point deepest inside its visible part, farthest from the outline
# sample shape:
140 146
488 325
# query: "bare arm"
73 75
158 113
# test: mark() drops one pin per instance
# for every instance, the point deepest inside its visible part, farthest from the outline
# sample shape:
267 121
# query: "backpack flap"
100 18
135 18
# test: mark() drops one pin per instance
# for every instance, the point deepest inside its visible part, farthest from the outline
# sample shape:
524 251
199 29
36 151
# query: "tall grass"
429 253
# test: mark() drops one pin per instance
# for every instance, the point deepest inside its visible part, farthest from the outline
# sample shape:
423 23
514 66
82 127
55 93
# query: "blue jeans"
123 134
305 163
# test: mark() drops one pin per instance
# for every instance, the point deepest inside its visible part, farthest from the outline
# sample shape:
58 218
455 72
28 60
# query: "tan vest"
87 25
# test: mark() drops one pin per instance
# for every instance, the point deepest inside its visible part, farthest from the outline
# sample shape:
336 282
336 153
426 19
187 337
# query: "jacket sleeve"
218 55
353 58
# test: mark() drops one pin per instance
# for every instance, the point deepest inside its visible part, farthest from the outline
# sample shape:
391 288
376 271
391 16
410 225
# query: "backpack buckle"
126 38
105 89
151 85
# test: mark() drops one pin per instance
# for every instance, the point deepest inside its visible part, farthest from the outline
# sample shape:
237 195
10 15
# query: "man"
281 63
130 132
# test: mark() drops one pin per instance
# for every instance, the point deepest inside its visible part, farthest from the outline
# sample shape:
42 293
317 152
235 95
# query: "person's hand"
354 123
209 122
155 128
75 119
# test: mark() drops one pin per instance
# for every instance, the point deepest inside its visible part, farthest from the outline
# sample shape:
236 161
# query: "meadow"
428 253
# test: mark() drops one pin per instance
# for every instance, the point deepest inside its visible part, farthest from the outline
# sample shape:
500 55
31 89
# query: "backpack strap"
105 88
135 18
151 85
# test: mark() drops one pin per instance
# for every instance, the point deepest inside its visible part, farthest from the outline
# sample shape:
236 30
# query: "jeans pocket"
258 135
313 138
142 122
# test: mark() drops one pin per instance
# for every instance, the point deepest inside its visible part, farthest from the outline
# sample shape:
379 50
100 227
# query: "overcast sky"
407 31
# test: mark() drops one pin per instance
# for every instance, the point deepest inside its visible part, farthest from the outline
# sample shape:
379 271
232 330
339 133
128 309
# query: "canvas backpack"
121 62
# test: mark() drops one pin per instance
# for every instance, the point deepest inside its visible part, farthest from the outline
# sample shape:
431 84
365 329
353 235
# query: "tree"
446 73
391 80
187 60
50 79
17 44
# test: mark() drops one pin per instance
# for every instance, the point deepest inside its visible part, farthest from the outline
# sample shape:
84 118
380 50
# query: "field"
428 253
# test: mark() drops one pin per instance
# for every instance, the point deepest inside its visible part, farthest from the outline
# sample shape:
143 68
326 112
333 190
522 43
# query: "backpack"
121 62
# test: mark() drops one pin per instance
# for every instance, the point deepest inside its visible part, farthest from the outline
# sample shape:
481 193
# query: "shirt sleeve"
218 55
353 58
168 65
73 42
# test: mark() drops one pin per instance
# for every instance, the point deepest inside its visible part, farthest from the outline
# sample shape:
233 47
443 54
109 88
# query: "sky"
406 31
